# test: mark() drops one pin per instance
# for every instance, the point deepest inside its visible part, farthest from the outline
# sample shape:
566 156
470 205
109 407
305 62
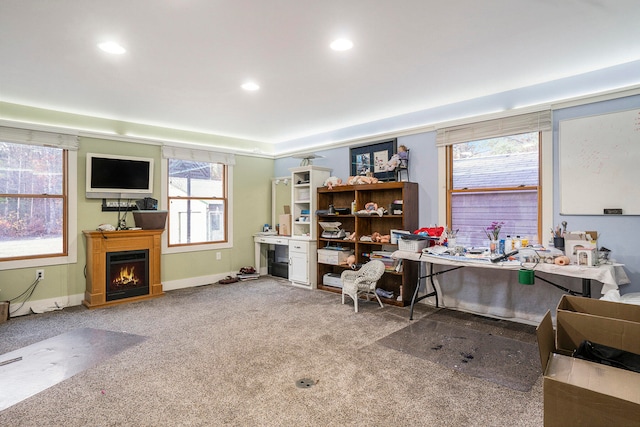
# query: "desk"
610 275
261 239
302 255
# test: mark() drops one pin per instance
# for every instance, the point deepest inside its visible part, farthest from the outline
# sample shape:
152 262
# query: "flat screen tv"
118 177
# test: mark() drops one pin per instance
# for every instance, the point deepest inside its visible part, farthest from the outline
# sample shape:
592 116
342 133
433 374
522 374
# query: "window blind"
494 128
196 155
36 137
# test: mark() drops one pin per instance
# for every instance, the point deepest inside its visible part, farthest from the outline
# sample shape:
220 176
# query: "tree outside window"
33 201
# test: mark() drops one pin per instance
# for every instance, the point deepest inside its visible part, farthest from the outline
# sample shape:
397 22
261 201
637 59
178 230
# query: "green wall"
251 200
251 210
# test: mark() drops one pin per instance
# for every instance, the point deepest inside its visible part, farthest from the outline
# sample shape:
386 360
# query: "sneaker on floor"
383 293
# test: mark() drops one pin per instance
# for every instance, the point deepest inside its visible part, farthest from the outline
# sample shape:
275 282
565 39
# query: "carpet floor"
41 365
264 353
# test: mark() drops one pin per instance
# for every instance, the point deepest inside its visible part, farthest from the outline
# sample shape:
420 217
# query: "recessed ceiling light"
341 44
250 86
112 47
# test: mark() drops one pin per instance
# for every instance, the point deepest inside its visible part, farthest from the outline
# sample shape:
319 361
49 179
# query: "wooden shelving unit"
401 284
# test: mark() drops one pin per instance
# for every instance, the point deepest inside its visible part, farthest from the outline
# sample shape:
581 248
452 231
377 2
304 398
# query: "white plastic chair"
362 281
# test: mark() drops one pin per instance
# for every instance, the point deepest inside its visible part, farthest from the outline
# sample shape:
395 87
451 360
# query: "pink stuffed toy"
351 259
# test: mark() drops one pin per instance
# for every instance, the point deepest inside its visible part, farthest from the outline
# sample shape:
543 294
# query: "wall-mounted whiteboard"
600 164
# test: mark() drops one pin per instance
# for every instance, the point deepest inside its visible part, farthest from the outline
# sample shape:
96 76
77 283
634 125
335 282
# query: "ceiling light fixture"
341 44
307 159
112 47
251 86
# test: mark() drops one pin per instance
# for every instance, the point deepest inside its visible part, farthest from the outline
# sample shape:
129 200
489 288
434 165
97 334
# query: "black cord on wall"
26 294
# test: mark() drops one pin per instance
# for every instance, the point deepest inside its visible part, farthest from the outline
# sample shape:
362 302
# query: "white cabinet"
302 263
304 182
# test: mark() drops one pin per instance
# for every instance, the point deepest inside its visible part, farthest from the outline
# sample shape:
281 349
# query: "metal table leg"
586 288
429 276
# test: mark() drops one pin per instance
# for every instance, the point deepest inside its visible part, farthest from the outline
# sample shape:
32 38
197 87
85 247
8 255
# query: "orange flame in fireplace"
127 276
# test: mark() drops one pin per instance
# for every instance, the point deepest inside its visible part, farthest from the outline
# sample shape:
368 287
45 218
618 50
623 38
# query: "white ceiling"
186 59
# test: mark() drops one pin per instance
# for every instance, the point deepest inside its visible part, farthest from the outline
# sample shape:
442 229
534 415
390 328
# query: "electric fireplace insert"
127 274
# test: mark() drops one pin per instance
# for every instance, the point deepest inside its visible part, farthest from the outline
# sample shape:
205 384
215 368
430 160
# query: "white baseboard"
192 282
58 303
44 305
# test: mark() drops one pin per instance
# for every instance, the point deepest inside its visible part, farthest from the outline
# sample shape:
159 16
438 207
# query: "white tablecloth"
492 288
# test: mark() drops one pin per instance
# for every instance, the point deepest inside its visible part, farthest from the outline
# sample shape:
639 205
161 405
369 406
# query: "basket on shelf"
413 243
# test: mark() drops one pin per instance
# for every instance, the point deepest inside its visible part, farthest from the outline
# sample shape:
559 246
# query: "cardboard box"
582 393
578 392
610 323
575 240
285 225
332 256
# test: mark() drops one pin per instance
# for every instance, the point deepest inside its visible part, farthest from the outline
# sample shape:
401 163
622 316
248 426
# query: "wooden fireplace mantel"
99 243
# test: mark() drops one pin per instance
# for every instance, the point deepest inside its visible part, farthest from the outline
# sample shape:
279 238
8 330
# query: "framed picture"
372 160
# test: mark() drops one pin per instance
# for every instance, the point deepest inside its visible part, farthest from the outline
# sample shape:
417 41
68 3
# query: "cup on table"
558 243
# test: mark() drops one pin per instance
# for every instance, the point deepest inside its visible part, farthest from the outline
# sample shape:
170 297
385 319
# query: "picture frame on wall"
372 160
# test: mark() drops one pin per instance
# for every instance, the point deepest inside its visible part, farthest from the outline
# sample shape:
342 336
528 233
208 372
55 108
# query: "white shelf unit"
304 182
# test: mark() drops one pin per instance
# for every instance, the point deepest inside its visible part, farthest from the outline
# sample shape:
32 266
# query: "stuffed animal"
354 180
351 260
332 181
376 237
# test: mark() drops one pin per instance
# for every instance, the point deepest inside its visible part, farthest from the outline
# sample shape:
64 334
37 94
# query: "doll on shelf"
397 159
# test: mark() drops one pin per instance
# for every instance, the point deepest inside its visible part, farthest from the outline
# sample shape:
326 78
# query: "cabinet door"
298 267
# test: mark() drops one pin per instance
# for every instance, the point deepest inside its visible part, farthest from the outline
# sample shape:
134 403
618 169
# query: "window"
33 201
495 180
197 197
197 202
494 175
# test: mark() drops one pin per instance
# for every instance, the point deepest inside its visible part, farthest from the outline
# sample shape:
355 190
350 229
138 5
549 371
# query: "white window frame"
69 143
203 155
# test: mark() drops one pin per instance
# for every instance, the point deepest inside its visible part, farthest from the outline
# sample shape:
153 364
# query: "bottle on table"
517 243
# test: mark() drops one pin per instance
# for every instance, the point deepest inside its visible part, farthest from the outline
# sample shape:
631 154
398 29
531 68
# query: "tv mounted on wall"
118 177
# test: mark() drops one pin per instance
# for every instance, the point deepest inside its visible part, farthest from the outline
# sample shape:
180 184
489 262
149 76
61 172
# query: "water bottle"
508 244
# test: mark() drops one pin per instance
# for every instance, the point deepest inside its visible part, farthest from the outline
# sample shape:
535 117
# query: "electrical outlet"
39 274
218 256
